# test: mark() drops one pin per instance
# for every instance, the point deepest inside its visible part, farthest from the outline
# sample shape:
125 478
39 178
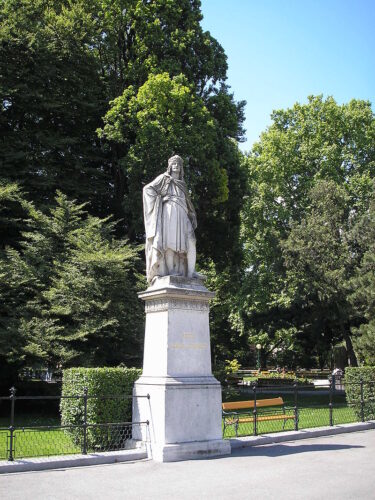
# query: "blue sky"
281 51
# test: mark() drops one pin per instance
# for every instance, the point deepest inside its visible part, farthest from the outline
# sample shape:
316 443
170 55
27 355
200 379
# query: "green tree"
52 100
317 140
13 212
78 291
165 117
59 73
135 38
227 340
318 262
363 286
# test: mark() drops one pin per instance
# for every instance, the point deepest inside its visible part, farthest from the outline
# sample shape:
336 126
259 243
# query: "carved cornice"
172 293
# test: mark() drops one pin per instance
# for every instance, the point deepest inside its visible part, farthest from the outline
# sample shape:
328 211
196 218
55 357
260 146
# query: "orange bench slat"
242 405
263 419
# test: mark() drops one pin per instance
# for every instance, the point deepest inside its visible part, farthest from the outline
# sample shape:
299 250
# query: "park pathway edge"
280 437
58 462
67 461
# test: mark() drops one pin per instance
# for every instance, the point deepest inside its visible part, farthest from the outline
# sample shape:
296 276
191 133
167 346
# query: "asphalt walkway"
332 467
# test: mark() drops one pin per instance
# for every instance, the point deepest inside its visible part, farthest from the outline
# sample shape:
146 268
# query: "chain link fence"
25 436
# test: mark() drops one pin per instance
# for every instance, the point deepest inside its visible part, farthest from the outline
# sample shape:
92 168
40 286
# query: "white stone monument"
184 408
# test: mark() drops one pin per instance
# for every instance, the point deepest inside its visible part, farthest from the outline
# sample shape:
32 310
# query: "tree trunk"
350 351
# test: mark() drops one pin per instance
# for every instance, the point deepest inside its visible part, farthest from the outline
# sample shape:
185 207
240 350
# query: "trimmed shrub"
353 376
284 379
99 382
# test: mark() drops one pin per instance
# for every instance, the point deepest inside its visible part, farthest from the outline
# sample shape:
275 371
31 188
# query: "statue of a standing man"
170 220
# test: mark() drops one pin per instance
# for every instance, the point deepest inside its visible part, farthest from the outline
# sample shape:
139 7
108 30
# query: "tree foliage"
164 117
363 286
71 291
318 263
59 74
307 143
52 99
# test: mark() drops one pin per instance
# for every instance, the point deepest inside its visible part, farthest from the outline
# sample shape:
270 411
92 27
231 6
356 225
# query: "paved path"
333 467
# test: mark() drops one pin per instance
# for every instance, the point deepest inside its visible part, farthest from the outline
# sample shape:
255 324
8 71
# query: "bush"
270 379
226 373
353 377
99 382
232 367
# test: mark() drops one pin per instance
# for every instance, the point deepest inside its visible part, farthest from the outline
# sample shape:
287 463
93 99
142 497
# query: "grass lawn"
31 442
37 443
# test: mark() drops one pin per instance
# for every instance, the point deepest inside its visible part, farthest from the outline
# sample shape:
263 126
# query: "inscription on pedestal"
159 305
197 346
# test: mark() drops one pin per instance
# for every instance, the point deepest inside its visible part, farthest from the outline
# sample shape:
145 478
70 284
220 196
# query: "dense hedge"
278 379
353 377
99 382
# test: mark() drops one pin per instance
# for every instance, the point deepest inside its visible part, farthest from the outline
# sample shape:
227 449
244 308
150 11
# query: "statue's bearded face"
175 166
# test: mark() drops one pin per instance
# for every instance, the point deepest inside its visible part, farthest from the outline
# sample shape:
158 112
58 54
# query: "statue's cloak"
153 195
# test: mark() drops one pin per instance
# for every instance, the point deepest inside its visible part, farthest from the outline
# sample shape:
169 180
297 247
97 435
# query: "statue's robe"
170 220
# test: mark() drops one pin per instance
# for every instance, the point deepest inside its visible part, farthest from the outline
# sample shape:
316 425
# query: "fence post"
295 405
331 382
84 447
362 401
11 427
255 409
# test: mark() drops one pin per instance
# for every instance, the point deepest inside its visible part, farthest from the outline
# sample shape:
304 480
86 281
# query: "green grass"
32 442
38 443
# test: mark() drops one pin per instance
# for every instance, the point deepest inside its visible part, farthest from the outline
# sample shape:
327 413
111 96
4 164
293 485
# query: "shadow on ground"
278 450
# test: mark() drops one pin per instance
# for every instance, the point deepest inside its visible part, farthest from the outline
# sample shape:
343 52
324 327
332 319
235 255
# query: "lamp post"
259 348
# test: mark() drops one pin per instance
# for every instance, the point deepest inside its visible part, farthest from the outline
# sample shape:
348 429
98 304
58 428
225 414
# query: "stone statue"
170 220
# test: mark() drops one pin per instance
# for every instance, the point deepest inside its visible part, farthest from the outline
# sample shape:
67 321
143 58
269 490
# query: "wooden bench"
231 415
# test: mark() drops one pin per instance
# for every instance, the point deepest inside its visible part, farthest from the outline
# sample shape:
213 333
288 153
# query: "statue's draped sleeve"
152 212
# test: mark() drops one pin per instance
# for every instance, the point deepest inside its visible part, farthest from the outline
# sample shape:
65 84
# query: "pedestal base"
184 404
191 451
184 417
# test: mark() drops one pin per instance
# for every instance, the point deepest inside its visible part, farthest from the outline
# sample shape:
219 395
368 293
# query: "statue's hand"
166 198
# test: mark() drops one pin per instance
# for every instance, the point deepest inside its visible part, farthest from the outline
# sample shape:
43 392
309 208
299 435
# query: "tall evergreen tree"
363 286
318 264
71 292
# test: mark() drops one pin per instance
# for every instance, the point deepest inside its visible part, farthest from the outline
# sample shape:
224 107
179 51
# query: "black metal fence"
298 407
24 436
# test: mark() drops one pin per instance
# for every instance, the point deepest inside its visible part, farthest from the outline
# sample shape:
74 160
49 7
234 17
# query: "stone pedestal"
184 408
